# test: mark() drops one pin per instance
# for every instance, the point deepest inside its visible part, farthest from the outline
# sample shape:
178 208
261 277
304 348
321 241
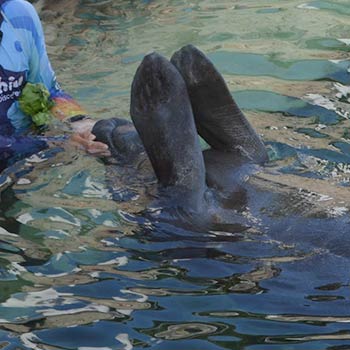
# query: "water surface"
80 271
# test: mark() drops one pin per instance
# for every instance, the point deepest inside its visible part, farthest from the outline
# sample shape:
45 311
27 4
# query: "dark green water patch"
269 10
327 44
279 151
269 65
344 147
96 17
328 155
340 30
67 262
14 226
76 184
218 37
5 247
132 59
112 335
76 41
115 15
311 132
305 162
267 101
8 288
9 341
104 289
346 133
94 76
88 92
340 8
270 33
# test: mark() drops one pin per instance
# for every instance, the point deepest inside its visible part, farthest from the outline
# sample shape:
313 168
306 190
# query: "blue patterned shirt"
23 58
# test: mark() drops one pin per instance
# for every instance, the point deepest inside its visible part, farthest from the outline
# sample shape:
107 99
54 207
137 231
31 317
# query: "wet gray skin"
218 118
162 115
202 188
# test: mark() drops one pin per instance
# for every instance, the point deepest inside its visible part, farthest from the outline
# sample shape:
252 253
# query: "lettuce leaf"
35 102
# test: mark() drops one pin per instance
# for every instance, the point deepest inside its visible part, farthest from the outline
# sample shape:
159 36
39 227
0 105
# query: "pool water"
81 271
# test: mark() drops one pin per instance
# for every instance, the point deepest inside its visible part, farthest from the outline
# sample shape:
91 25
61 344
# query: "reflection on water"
80 271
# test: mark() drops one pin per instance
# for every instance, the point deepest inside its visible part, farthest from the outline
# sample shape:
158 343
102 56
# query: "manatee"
172 102
163 135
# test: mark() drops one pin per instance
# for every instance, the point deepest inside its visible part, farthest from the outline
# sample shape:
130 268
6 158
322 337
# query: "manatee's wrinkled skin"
162 114
201 188
161 111
218 118
121 138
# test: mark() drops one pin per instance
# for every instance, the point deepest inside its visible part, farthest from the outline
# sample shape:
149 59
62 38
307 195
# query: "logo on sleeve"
11 85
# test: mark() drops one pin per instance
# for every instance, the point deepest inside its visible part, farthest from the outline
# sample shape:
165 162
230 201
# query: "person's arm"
40 71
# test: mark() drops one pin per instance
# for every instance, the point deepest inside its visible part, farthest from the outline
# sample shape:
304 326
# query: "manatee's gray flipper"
120 136
123 174
104 127
218 118
162 114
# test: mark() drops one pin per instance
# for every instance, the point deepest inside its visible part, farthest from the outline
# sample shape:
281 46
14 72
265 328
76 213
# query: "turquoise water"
80 271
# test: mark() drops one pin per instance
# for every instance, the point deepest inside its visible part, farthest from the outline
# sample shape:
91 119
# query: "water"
80 271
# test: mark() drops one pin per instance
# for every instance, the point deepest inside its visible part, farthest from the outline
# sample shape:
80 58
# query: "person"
24 59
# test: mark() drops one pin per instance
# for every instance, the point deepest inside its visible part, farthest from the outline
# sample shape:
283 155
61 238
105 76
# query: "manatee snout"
120 136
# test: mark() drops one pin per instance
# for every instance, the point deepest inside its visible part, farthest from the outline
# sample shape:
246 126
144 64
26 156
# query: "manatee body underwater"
218 188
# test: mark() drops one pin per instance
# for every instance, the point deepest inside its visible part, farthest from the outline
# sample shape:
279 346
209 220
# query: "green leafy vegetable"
42 118
35 101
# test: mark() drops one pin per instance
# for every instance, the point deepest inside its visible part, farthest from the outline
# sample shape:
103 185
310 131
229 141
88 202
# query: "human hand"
85 139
